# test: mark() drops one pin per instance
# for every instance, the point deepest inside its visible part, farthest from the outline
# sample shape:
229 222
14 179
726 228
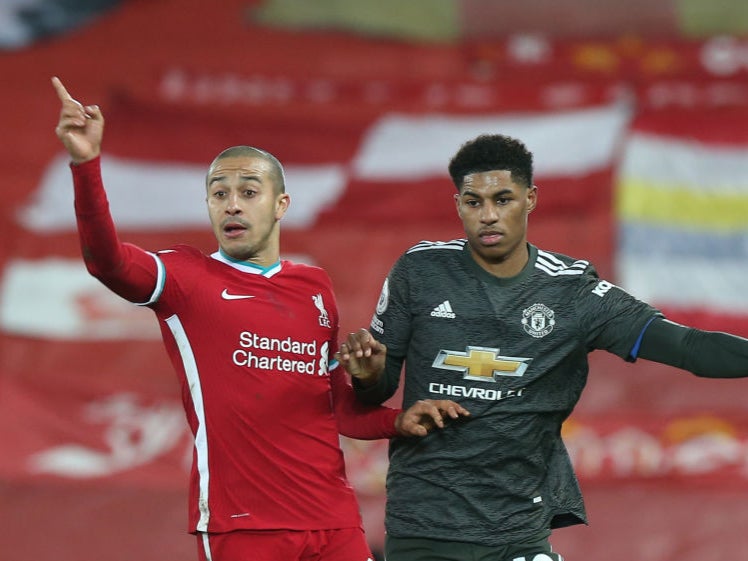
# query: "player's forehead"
489 181
241 165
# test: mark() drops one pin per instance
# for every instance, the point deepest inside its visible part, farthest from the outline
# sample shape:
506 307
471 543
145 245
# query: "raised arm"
125 269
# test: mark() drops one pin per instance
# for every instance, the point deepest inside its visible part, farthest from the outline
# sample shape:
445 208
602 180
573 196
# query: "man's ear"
532 198
281 205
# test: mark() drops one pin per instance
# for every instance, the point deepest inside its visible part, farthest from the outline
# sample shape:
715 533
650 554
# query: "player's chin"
236 250
494 252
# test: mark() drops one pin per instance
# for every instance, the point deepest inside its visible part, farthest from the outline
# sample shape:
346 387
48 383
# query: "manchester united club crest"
538 320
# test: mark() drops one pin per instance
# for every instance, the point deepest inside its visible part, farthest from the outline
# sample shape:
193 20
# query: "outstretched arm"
709 354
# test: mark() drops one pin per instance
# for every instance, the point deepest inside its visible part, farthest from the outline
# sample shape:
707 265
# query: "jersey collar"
246 267
481 273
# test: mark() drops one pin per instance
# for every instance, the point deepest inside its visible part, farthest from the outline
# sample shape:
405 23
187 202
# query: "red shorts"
347 544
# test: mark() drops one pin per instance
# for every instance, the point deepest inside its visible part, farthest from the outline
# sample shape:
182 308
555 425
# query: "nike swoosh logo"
226 296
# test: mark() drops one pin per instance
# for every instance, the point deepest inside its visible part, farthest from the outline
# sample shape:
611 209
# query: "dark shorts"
420 549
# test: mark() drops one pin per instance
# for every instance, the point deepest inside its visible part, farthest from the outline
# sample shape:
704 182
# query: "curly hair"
491 152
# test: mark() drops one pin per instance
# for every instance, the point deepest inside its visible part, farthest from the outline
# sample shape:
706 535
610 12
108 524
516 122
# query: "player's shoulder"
181 252
312 273
300 268
554 264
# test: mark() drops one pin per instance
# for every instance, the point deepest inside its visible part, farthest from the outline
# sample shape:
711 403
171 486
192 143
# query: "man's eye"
250 193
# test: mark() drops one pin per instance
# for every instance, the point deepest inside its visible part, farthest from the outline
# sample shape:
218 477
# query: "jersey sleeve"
391 322
356 419
708 354
126 269
612 318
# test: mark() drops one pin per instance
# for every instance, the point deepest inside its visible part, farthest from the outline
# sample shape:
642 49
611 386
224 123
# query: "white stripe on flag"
564 143
685 164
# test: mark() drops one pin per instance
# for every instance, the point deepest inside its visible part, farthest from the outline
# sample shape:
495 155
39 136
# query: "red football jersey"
253 349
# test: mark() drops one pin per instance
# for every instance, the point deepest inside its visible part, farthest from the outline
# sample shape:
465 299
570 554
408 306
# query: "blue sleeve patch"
635 349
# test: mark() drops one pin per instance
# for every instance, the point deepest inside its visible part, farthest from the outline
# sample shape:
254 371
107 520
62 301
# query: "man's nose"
232 204
489 213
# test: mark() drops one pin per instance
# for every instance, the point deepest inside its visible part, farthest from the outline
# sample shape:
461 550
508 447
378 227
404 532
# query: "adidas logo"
443 310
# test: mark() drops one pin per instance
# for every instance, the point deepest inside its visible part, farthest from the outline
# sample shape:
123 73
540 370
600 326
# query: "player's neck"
509 266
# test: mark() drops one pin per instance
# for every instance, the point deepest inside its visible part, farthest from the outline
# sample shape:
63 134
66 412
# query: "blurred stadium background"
638 115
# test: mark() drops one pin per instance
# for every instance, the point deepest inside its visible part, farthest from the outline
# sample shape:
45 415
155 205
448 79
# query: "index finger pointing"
62 93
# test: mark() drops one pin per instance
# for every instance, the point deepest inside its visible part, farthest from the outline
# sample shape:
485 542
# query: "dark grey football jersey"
512 351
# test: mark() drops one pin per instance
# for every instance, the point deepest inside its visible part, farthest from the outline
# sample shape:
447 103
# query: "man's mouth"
490 238
234 229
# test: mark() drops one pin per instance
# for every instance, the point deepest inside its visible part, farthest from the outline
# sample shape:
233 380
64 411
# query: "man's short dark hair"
492 152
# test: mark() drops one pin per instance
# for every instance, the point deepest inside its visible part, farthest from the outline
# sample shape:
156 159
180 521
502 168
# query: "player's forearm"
708 354
356 419
98 238
126 269
369 423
